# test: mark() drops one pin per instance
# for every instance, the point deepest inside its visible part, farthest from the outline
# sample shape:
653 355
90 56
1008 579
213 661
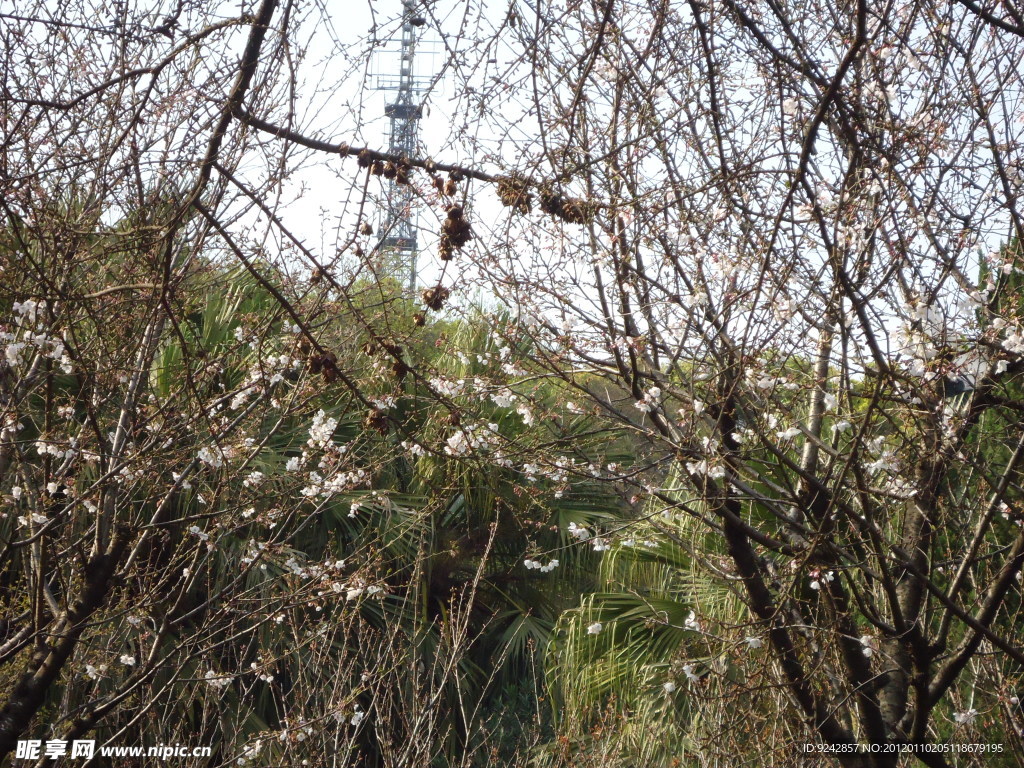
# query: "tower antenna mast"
398 234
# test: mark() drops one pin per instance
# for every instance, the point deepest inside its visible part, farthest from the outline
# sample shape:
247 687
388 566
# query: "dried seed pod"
572 212
463 235
456 175
389 170
364 158
366 228
327 364
455 232
377 168
377 419
331 372
419 319
402 174
449 188
576 211
399 369
512 191
438 183
569 209
551 202
435 297
444 248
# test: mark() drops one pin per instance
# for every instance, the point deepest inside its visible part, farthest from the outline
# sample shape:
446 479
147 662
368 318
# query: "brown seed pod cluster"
374 348
327 364
402 171
512 191
455 233
454 177
399 369
364 158
419 319
376 419
435 297
377 168
448 187
570 209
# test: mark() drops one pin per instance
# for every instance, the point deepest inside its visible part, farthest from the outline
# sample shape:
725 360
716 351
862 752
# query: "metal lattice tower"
398 233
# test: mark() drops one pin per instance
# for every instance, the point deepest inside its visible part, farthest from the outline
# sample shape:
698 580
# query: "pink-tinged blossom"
819 578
